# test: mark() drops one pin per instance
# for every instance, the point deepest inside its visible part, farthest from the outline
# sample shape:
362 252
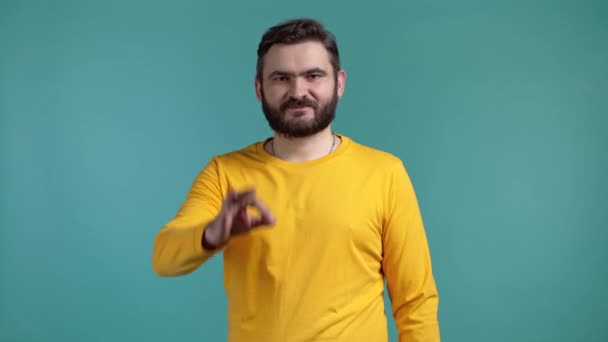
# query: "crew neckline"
345 143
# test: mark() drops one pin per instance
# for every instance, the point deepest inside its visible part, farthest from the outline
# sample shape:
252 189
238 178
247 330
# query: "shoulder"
388 169
372 156
247 154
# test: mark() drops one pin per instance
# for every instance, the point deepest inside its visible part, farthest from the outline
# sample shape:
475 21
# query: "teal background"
108 110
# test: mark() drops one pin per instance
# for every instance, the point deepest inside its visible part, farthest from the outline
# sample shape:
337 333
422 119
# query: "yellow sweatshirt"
344 224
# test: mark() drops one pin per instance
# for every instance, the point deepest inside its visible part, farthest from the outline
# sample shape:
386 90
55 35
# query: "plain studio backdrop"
109 109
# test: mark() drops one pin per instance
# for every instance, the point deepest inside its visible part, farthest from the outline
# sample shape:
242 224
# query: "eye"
314 76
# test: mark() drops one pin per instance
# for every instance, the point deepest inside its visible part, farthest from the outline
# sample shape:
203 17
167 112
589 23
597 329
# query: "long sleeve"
407 264
178 246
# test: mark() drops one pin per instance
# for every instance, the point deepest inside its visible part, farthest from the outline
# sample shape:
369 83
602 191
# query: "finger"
246 197
265 215
244 216
230 198
238 194
227 224
250 199
259 221
232 201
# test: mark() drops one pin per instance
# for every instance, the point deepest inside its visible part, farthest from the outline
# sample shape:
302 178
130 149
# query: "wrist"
208 243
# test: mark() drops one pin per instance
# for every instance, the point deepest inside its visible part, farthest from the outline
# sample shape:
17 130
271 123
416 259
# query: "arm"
407 263
178 246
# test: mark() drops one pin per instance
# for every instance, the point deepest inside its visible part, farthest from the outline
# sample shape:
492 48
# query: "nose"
298 88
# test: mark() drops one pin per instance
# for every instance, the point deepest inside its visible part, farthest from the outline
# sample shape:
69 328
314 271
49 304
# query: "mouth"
298 107
299 111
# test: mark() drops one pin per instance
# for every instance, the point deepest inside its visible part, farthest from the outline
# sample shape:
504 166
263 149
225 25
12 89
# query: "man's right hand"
234 218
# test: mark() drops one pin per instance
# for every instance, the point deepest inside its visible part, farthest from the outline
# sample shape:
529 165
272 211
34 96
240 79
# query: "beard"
277 118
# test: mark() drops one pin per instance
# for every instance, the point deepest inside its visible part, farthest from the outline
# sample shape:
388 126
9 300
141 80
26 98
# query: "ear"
341 82
258 89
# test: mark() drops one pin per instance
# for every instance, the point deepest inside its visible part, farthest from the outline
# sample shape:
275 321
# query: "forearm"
417 320
413 290
408 267
178 247
179 250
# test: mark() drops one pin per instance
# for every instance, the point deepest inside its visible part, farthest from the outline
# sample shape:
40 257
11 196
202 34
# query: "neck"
303 149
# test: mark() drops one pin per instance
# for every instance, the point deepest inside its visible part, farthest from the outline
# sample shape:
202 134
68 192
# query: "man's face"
299 89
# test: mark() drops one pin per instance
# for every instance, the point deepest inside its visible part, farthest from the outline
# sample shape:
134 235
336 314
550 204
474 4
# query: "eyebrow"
306 72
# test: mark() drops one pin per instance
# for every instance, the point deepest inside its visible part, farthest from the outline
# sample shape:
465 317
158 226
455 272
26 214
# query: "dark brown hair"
296 31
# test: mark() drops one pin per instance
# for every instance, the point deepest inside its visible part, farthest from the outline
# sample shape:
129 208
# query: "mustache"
296 102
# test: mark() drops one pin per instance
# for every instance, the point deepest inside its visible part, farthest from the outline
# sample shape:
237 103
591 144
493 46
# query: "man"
310 222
